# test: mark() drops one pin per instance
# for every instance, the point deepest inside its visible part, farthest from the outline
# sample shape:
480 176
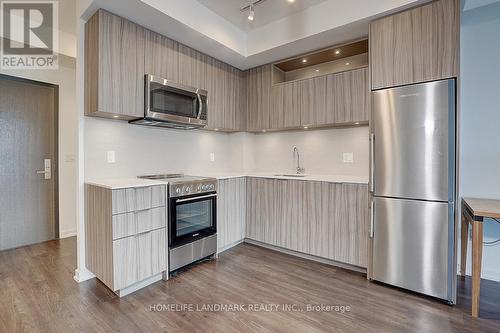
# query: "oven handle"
196 198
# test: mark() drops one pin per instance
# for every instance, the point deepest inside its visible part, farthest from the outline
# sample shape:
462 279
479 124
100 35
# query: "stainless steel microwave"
172 105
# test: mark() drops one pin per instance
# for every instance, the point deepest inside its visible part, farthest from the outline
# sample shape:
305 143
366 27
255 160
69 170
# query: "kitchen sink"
289 175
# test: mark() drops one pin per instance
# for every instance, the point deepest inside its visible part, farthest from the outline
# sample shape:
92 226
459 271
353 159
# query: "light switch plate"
110 156
212 157
348 158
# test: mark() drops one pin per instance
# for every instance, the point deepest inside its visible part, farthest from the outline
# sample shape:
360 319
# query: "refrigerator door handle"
372 161
371 218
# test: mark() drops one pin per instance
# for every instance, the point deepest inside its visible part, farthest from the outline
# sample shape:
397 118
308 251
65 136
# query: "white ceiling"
288 32
265 12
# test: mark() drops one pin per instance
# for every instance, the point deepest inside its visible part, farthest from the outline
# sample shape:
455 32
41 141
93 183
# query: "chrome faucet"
299 168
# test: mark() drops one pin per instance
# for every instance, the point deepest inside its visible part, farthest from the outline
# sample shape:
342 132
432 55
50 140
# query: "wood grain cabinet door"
417 45
231 211
347 97
258 81
313 101
114 67
161 56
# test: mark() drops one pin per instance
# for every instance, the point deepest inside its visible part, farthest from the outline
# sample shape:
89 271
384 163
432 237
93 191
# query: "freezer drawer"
413 246
414 141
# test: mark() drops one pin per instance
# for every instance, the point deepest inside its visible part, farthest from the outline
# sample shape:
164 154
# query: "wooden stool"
473 212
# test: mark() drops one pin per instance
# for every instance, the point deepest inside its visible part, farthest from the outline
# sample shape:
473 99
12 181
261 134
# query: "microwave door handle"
200 107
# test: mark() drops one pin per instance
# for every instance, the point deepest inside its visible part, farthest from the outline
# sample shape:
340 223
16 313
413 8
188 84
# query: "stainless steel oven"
173 105
191 218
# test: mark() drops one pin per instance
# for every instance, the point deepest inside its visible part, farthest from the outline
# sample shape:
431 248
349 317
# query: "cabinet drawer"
140 198
133 223
123 200
123 225
150 219
138 257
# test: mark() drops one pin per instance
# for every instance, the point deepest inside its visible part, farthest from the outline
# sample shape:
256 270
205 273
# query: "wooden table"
474 211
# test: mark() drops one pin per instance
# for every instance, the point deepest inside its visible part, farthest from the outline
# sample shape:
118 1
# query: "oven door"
172 102
192 218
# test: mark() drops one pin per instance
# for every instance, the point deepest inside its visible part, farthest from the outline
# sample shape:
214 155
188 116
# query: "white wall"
65 78
480 118
143 150
321 151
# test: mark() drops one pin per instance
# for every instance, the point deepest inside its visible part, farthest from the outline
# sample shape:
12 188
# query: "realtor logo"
30 35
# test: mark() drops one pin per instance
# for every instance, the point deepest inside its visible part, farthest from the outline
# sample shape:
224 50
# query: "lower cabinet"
231 210
126 235
328 220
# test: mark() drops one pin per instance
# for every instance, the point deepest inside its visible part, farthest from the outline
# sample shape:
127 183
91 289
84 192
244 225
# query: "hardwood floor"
38 293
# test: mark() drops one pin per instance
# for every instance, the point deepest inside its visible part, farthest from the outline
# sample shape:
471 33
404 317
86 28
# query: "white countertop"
118 183
308 177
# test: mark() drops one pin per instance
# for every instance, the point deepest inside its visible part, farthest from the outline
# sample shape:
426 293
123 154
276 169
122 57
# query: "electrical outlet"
212 157
110 156
348 158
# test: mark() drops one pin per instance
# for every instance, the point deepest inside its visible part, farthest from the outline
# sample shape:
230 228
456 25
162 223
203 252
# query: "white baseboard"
67 233
82 275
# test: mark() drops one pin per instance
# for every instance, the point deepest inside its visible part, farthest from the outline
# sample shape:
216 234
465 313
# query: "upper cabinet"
114 67
417 45
118 55
161 56
258 90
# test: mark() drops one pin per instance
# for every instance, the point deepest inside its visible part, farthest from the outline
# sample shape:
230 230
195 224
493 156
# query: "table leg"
477 253
465 242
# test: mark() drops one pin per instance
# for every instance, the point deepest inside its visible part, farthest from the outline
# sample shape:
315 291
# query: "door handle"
47 169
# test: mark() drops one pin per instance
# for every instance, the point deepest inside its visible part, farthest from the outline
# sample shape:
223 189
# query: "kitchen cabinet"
231 212
161 56
114 67
313 110
328 220
263 204
417 45
285 105
193 68
347 97
118 54
258 86
126 235
226 97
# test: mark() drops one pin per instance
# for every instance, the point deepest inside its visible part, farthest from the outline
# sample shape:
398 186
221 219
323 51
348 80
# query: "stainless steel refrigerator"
413 187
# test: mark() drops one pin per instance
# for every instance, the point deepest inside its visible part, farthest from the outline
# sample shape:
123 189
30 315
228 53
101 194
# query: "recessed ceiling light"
337 51
115 116
347 63
356 123
316 70
304 60
291 1
251 13
216 129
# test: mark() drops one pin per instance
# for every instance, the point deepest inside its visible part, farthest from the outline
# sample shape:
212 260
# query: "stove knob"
198 188
212 186
187 189
178 190
204 187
